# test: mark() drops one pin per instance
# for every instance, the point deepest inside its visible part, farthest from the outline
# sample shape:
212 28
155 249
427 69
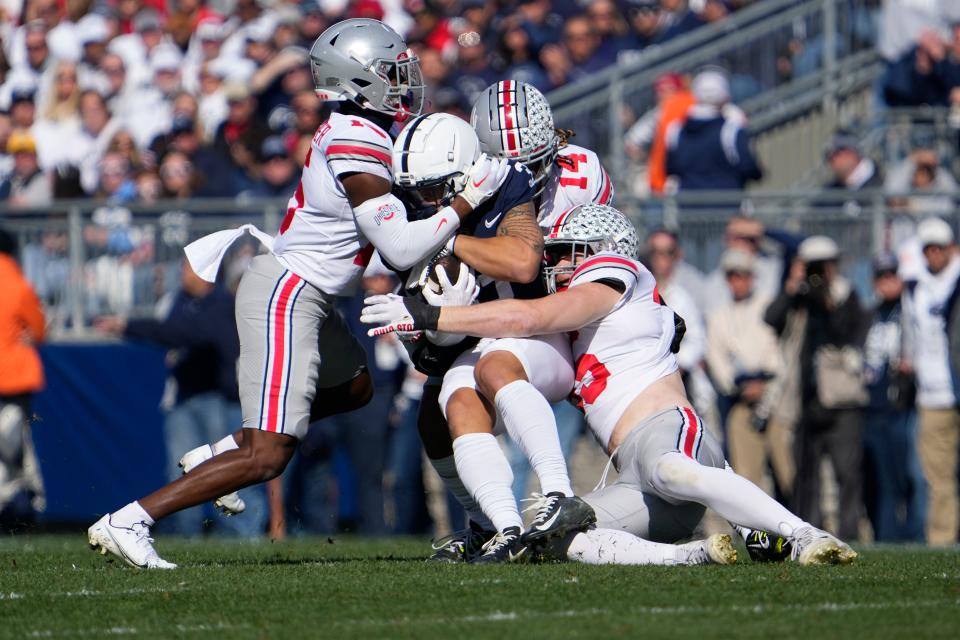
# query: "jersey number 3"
591 378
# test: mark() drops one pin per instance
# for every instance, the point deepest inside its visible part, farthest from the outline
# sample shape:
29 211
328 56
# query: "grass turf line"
54 587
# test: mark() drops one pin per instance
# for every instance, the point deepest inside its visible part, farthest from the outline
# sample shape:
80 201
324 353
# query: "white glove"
484 178
387 311
463 293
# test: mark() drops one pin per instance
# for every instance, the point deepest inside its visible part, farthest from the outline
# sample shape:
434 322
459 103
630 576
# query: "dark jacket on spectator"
907 87
710 153
844 325
205 330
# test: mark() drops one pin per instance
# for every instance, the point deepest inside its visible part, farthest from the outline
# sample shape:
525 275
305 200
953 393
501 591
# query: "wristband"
425 316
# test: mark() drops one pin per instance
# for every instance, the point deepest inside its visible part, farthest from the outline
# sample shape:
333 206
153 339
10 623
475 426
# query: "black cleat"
461 546
557 515
766 547
503 547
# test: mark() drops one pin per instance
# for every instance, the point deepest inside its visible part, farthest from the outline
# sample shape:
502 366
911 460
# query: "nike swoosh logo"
489 223
477 184
440 224
514 556
549 523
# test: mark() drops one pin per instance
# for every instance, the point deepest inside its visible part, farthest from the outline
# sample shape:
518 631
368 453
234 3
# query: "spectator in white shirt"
925 308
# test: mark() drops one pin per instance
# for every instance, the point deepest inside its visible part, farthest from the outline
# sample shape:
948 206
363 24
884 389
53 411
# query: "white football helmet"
583 231
367 62
513 120
432 156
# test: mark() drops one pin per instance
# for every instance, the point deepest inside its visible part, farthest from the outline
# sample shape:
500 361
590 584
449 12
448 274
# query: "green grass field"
53 586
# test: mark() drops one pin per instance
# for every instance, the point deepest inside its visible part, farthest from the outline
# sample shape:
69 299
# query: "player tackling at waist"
630 389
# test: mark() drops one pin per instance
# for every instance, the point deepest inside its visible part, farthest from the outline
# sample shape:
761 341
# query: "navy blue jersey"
517 189
483 222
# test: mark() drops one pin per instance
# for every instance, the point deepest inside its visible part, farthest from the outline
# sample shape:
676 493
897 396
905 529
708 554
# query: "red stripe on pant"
279 351
693 428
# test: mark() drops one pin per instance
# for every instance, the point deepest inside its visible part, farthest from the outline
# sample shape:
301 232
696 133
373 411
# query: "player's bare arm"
558 313
514 254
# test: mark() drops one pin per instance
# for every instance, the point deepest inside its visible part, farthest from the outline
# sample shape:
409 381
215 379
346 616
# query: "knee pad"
674 473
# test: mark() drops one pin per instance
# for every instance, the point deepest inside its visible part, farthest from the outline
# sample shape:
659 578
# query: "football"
451 265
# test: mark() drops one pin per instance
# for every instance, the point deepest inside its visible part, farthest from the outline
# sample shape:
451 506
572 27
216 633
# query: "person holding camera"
818 309
925 307
743 358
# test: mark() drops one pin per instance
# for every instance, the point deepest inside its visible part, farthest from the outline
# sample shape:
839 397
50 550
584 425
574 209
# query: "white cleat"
815 546
230 504
717 549
133 544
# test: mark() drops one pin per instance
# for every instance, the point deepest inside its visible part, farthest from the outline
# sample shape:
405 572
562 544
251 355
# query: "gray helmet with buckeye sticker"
513 120
367 62
583 231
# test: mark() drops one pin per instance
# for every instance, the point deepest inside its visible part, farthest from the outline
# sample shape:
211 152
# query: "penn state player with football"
519 377
298 361
630 389
504 244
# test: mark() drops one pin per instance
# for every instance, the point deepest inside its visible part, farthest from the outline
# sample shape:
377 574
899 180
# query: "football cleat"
505 546
230 504
133 545
766 547
461 546
557 515
815 546
716 549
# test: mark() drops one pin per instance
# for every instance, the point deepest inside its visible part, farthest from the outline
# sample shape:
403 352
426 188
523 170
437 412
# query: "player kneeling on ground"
627 380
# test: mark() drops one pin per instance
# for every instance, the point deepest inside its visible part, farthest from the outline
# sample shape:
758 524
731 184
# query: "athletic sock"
486 474
224 445
732 496
446 468
612 546
130 515
529 420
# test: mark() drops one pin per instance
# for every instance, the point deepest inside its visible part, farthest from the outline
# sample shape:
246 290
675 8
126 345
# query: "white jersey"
319 239
624 352
577 177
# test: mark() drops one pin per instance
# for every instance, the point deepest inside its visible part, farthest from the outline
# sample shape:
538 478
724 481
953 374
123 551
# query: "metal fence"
828 45
86 260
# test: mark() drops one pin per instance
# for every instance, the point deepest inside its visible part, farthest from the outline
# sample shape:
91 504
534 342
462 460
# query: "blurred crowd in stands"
135 100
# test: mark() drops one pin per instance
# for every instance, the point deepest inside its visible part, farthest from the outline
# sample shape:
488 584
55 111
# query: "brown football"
451 265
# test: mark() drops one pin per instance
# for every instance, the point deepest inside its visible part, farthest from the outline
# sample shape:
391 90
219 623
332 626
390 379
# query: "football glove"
484 178
392 313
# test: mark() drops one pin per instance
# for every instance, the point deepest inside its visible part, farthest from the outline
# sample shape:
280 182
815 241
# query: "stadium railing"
837 59
86 259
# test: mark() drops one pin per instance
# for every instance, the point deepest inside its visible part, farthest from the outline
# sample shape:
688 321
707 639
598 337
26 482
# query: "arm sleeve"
402 243
718 361
749 168
608 267
180 329
776 313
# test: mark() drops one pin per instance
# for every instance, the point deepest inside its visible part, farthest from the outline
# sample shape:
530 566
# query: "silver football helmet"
367 62
583 231
513 120
431 158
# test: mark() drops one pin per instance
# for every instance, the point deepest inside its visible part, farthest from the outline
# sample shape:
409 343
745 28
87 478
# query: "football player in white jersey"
670 467
298 361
